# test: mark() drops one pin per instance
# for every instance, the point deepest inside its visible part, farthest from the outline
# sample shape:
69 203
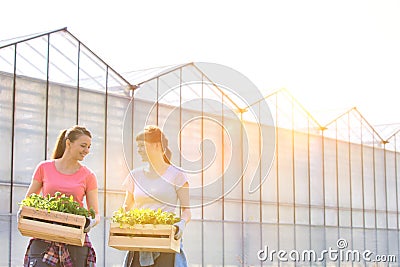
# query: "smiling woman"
64 173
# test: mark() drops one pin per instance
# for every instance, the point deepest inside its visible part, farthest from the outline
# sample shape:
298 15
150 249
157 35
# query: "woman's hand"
90 223
180 228
92 202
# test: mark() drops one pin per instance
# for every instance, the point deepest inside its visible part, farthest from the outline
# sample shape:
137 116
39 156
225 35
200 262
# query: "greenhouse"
264 174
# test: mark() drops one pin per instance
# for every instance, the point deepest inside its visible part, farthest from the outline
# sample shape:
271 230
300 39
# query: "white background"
331 55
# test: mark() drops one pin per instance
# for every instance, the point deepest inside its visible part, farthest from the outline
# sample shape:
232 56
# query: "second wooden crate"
144 237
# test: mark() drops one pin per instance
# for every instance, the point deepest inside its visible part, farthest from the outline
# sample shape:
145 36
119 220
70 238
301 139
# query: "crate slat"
144 237
53 226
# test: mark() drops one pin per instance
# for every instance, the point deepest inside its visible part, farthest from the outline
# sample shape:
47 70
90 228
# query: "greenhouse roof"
59 57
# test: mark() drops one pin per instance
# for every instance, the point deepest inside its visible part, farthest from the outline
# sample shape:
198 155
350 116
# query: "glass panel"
331 236
7 56
330 164
269 213
114 201
213 159
6 110
270 241
32 58
344 217
30 131
213 239
213 211
369 219
393 241
286 237
5 198
63 59
92 115
193 244
286 214
197 211
92 72
357 197
18 194
357 241
5 236
147 91
398 183
285 166
381 219
119 142
380 183
391 194
302 237
233 167
358 218
370 237
317 216
17 242
392 220
232 244
269 188
301 169
316 172
111 256
62 112
233 211
369 177
331 217
343 175
98 238
251 160
251 212
381 242
251 243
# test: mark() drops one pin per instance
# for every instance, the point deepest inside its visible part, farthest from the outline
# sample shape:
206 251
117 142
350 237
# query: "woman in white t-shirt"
157 185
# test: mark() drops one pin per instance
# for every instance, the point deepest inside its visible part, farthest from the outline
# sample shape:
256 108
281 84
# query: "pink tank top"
77 184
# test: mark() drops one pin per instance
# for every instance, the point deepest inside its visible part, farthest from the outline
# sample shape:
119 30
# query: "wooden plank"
146 237
156 229
53 226
54 216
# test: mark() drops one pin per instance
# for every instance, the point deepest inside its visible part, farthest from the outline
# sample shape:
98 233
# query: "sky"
331 55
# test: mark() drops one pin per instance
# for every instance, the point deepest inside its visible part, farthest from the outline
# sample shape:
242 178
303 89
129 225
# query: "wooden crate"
144 237
53 226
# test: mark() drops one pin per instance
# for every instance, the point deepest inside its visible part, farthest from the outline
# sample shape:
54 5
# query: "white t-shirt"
155 193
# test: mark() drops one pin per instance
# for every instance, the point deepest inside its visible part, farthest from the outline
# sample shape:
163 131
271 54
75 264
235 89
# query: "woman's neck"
157 166
67 165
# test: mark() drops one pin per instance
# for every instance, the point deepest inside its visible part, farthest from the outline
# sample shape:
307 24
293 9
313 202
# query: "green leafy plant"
144 216
58 202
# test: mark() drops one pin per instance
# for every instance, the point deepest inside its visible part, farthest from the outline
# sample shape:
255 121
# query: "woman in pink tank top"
64 173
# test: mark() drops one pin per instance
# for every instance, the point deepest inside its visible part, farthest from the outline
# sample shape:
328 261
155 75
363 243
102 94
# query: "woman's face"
80 147
146 150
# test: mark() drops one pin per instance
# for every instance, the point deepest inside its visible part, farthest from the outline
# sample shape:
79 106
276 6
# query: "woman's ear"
67 143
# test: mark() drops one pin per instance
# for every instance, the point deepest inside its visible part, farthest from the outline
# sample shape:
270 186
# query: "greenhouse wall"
318 189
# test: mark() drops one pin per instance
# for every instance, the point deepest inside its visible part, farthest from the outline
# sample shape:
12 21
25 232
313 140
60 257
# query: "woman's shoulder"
46 163
175 170
138 171
176 175
87 170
